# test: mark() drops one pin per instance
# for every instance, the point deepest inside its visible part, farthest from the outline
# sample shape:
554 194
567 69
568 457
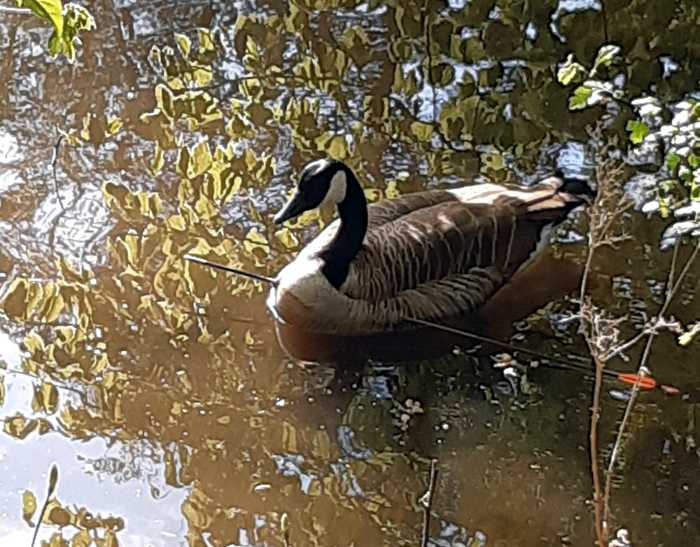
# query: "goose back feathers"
431 255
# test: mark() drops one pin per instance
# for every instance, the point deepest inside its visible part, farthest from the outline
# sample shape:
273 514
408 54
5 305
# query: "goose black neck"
347 241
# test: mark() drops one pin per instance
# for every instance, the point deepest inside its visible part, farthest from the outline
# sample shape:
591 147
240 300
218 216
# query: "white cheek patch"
315 167
337 190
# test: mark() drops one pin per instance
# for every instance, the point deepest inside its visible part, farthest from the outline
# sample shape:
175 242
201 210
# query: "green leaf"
29 506
155 58
22 299
114 125
157 162
183 161
685 174
579 100
570 71
66 22
673 160
422 131
695 112
19 427
53 303
184 44
695 188
164 100
202 77
606 56
442 74
49 10
638 131
493 161
47 397
664 209
287 238
687 337
206 41
200 159
75 19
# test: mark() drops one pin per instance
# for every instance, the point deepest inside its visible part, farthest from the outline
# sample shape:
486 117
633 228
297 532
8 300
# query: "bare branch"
15 11
53 480
427 502
671 290
54 161
601 333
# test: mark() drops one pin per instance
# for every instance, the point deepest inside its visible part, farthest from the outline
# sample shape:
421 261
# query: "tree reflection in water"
185 143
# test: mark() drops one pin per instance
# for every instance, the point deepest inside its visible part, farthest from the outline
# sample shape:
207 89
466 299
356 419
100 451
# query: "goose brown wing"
431 245
391 210
498 230
450 296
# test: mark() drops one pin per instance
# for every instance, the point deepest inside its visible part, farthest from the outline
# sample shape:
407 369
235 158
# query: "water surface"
160 390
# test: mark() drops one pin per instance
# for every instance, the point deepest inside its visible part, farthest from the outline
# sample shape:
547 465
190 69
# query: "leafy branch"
67 22
676 187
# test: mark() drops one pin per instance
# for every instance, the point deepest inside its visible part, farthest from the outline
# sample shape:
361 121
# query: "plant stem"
53 479
597 387
54 161
427 501
598 499
15 11
671 290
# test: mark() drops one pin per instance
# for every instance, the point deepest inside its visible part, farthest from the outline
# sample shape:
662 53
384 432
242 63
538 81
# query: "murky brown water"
160 389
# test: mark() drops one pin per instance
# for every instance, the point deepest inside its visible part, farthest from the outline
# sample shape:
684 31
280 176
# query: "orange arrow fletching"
644 382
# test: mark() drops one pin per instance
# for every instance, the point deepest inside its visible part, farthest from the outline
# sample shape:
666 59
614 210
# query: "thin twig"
587 268
672 269
601 217
427 502
53 480
655 326
54 161
671 290
236 271
678 282
15 11
493 341
625 345
598 502
429 58
284 525
605 22
57 385
547 360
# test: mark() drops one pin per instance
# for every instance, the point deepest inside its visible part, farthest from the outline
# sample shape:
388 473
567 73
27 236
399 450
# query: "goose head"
322 182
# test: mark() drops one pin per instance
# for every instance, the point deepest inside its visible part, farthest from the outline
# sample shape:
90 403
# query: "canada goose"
431 255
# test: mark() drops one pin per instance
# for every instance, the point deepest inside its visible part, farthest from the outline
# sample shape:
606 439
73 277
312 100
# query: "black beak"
293 208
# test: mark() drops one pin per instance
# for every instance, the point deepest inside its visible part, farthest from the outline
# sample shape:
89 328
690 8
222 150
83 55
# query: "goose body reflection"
436 255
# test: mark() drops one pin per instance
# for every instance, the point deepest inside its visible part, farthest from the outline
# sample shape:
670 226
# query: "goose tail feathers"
576 186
